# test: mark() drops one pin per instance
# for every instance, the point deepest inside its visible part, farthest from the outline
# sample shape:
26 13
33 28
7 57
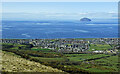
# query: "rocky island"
85 19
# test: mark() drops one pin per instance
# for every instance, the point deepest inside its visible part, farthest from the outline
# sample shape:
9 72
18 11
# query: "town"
71 45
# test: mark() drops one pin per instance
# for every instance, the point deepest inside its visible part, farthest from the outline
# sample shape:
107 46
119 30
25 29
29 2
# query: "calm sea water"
58 29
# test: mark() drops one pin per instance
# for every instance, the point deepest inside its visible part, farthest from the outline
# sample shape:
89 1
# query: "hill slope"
14 63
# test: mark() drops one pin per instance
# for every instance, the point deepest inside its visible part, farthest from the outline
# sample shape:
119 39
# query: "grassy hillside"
14 63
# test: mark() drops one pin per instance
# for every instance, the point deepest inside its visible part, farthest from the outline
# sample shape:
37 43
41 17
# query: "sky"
58 10
60 0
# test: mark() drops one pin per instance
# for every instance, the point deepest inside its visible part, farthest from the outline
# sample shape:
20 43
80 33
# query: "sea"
59 29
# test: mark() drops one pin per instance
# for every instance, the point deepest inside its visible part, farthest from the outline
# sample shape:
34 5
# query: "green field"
99 47
71 63
40 49
82 57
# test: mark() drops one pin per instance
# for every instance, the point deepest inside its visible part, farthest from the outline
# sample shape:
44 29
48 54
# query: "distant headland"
85 19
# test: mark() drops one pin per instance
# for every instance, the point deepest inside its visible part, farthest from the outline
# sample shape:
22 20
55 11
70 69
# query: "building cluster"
66 45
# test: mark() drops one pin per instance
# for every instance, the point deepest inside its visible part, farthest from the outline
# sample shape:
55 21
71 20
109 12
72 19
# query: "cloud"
53 15
112 12
85 31
82 13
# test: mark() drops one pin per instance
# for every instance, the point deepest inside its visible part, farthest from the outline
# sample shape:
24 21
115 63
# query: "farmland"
71 62
99 47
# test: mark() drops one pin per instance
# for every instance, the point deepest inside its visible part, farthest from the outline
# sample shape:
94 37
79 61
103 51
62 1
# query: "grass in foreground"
14 63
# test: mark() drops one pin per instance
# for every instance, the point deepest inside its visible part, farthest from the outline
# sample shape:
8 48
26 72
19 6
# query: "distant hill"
85 19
